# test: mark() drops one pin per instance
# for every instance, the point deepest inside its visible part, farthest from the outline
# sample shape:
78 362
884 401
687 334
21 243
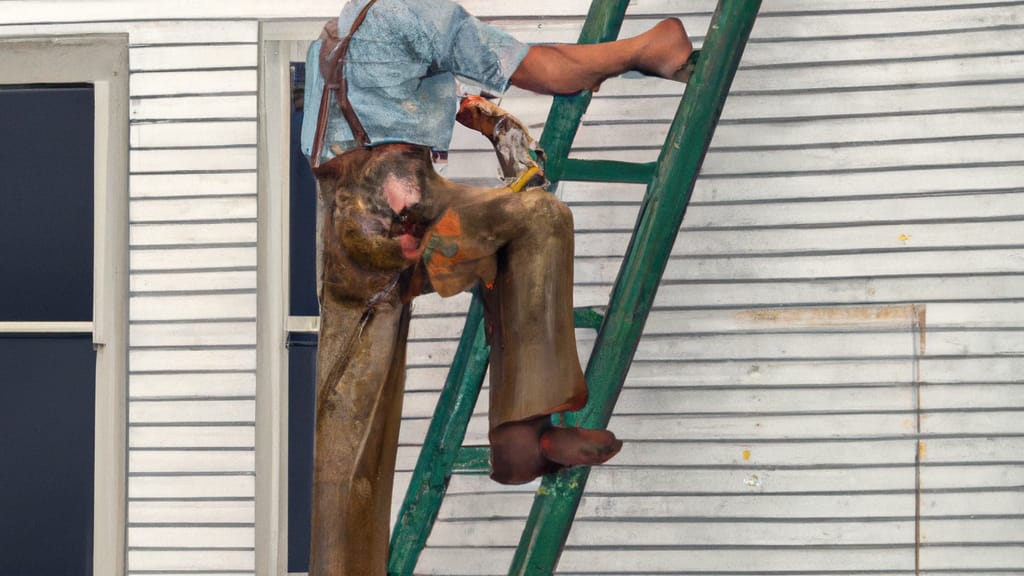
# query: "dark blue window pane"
303 213
46 212
47 425
301 406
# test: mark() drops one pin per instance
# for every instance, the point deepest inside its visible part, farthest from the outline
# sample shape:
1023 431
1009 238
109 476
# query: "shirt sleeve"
478 52
314 89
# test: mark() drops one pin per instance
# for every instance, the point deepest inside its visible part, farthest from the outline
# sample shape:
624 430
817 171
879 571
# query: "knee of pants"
546 212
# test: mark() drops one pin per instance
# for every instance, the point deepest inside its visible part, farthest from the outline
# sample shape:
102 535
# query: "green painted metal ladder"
670 182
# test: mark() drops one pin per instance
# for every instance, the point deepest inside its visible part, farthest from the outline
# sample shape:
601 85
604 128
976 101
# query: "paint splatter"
746 454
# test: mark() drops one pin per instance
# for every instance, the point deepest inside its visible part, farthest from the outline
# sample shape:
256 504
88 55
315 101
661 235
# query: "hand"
411 248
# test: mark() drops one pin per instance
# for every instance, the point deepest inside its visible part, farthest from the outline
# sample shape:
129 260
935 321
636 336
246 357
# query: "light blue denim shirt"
401 68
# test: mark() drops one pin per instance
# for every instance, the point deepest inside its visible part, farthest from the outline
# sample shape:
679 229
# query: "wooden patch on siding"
890 316
909 316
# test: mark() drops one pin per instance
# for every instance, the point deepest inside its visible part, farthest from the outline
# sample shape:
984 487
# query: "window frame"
102 61
277 40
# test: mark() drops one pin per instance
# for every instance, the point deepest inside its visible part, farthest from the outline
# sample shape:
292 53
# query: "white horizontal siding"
192 259
234 107
191 385
192 306
185 437
163 461
34 12
214 133
183 512
195 307
869 158
191 184
193 334
843 299
183 57
186 281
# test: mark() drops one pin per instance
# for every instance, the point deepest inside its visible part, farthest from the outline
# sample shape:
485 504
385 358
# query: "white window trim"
100 60
276 39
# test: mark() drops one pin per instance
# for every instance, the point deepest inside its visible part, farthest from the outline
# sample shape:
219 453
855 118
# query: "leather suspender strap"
332 67
342 90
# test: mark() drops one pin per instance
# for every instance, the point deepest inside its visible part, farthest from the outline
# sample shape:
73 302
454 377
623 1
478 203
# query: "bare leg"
568 68
522 451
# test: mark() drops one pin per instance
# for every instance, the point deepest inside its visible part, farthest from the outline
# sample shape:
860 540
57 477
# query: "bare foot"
579 446
664 50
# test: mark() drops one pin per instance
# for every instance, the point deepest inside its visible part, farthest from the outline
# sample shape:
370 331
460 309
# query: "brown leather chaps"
518 245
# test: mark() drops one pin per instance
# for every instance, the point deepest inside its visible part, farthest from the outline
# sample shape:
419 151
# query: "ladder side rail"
660 216
441 446
603 23
444 437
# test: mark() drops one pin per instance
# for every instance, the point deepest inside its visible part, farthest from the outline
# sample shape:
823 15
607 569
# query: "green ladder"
670 182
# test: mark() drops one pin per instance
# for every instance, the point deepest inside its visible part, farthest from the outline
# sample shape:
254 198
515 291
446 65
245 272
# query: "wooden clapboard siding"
834 357
192 302
774 414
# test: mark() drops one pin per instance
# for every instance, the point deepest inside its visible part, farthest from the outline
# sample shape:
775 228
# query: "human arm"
662 51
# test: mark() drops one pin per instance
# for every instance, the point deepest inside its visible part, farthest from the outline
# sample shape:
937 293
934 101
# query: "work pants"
517 245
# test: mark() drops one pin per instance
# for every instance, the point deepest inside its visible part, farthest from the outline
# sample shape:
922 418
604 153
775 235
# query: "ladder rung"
473 459
587 318
607 171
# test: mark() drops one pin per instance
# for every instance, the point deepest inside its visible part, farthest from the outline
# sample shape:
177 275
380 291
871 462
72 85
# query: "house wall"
829 382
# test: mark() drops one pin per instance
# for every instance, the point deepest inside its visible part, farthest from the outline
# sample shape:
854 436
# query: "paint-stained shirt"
401 69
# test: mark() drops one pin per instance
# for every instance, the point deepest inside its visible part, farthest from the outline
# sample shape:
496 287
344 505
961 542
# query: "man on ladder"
386 96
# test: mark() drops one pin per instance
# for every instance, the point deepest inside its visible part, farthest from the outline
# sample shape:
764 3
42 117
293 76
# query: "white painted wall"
847 282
